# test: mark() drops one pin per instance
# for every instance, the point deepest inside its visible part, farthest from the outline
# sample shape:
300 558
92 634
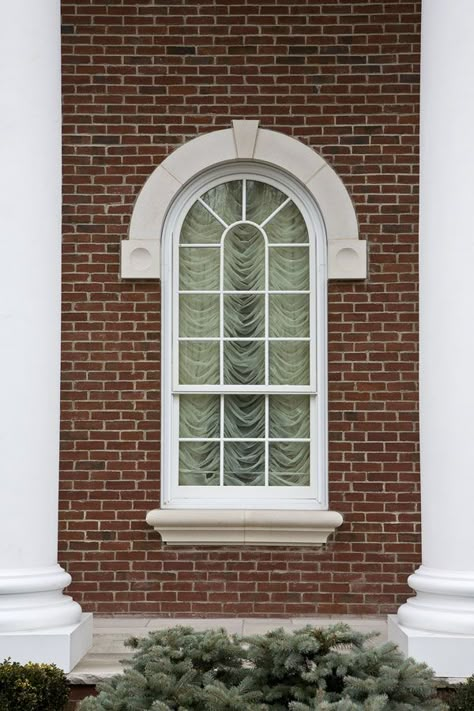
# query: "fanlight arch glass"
244 329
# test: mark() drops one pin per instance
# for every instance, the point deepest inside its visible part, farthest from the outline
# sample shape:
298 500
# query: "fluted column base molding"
38 623
444 602
437 625
32 598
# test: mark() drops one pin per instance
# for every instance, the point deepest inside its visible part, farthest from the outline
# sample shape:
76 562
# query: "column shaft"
31 582
444 604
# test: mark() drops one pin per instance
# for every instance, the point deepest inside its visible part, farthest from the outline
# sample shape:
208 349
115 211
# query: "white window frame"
314 497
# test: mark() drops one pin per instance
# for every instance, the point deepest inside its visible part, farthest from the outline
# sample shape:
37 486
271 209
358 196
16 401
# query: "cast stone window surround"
346 257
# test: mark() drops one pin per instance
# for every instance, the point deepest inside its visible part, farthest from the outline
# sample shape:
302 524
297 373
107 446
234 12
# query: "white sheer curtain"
249 327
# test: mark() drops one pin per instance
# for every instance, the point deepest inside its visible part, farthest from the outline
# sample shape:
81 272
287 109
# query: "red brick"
342 78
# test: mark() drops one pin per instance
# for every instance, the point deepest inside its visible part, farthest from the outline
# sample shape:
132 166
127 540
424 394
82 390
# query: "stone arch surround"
347 254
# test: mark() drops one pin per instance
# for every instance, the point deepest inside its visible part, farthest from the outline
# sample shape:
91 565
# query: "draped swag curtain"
244 321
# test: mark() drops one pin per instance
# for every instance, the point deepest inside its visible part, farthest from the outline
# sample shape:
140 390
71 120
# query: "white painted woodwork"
437 625
293 499
31 581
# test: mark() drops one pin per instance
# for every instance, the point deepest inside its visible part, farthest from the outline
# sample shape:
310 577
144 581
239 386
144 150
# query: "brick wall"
140 78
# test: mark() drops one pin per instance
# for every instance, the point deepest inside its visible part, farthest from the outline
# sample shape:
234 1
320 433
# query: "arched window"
244 349
244 225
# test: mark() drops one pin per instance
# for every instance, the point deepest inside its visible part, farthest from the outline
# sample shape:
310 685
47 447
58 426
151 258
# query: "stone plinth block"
449 655
63 646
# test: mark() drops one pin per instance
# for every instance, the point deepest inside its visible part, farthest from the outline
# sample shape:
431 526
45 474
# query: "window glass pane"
288 225
250 266
199 315
244 315
199 269
289 268
200 227
289 464
226 200
289 416
244 363
244 259
199 416
199 463
244 416
244 464
289 363
262 200
289 315
198 363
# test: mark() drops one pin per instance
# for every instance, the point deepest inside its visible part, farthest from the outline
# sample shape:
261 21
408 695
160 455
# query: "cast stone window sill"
244 526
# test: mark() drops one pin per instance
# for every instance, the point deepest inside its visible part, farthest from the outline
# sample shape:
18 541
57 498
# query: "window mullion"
221 433
221 363
267 356
267 281
214 214
267 446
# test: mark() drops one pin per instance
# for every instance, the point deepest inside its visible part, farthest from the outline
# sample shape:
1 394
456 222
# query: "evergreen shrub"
331 669
32 687
462 699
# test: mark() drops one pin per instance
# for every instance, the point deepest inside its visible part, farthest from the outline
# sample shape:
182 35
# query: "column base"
449 655
63 646
444 602
32 598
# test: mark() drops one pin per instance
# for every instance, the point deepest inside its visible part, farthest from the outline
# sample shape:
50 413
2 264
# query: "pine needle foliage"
333 669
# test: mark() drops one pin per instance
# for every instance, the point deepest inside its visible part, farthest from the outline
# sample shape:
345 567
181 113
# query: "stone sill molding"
141 252
244 527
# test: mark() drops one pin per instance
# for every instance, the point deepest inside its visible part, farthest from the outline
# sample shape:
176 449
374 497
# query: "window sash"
250 496
266 339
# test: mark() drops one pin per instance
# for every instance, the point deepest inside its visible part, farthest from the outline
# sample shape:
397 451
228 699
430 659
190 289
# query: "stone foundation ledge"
110 634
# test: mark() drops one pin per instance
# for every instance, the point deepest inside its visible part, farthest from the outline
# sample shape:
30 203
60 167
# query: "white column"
437 625
37 621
